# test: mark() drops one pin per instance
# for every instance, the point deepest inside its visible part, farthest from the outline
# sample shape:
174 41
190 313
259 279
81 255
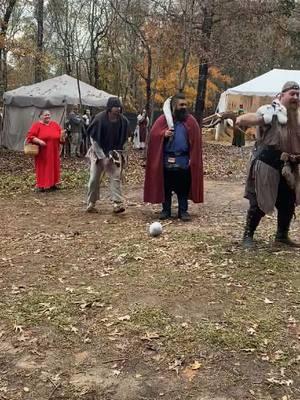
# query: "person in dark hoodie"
108 133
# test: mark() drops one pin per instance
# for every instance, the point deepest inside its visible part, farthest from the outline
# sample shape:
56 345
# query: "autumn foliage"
168 84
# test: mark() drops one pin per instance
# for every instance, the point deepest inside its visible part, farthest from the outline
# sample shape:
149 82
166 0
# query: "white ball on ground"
155 229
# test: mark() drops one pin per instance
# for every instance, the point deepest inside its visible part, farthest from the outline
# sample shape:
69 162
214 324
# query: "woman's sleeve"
33 132
60 129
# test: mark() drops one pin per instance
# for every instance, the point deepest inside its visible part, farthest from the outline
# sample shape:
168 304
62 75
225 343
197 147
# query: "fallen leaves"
220 162
219 292
189 374
190 371
252 330
116 372
175 365
124 318
196 365
86 304
17 289
151 336
267 301
280 382
18 328
74 329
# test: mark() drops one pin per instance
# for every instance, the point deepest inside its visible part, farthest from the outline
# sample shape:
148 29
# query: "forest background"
146 50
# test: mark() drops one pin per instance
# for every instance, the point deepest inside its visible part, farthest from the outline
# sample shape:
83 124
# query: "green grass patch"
35 308
21 182
24 182
71 179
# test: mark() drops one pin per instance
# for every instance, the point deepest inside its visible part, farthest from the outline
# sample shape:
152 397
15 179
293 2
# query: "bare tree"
6 12
207 25
40 42
65 16
99 21
133 14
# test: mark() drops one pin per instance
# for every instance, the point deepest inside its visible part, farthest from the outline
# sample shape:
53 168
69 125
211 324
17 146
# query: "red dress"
47 162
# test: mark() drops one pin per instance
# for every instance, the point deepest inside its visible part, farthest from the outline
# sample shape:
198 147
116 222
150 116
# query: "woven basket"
31 149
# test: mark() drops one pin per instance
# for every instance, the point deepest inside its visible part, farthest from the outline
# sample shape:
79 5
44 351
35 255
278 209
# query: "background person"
76 126
238 139
86 118
141 131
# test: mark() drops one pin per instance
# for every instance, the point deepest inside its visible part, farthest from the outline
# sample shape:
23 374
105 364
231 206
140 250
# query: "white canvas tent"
257 91
22 106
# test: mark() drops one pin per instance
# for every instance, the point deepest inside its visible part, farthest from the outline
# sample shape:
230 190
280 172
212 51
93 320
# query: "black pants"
178 181
285 204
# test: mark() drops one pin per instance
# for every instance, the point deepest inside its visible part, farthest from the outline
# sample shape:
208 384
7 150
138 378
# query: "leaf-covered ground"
220 161
93 308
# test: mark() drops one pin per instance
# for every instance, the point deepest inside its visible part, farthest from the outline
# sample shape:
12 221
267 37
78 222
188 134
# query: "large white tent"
257 91
23 105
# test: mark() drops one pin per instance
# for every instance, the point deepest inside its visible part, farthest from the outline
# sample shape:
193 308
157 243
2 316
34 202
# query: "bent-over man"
108 133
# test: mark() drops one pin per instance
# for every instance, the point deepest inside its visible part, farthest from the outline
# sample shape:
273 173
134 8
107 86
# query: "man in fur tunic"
273 176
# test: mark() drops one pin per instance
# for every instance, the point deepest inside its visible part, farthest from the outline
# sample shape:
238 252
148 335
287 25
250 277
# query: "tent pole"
78 85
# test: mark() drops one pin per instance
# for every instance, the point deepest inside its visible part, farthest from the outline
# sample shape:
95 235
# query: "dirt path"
92 308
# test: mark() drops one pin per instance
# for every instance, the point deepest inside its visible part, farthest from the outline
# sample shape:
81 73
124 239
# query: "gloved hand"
115 157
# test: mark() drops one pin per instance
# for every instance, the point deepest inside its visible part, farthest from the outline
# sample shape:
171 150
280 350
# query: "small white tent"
257 91
22 105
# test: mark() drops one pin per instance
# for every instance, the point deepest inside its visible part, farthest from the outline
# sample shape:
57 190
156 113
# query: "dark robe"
154 178
98 128
143 129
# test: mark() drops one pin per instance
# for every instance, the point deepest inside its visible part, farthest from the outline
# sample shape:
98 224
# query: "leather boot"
164 215
284 219
166 207
253 218
283 237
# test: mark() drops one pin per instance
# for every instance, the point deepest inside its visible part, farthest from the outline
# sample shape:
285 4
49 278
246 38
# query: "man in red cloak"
174 159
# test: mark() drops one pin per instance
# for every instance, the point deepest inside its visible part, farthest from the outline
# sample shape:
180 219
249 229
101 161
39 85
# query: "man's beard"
114 115
181 115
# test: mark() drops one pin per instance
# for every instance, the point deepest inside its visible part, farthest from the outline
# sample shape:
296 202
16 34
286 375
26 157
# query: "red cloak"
154 178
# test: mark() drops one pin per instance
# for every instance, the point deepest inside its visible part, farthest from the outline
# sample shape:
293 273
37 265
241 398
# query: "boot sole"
284 243
120 211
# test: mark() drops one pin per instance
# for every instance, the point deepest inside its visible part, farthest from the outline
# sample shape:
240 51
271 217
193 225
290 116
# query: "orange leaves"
168 83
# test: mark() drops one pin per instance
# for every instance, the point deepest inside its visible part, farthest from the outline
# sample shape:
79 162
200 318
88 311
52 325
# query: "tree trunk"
92 62
3 50
67 52
201 91
78 84
97 74
96 67
148 81
40 42
203 63
68 62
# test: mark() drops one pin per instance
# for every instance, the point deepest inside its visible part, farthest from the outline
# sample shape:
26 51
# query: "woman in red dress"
48 135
